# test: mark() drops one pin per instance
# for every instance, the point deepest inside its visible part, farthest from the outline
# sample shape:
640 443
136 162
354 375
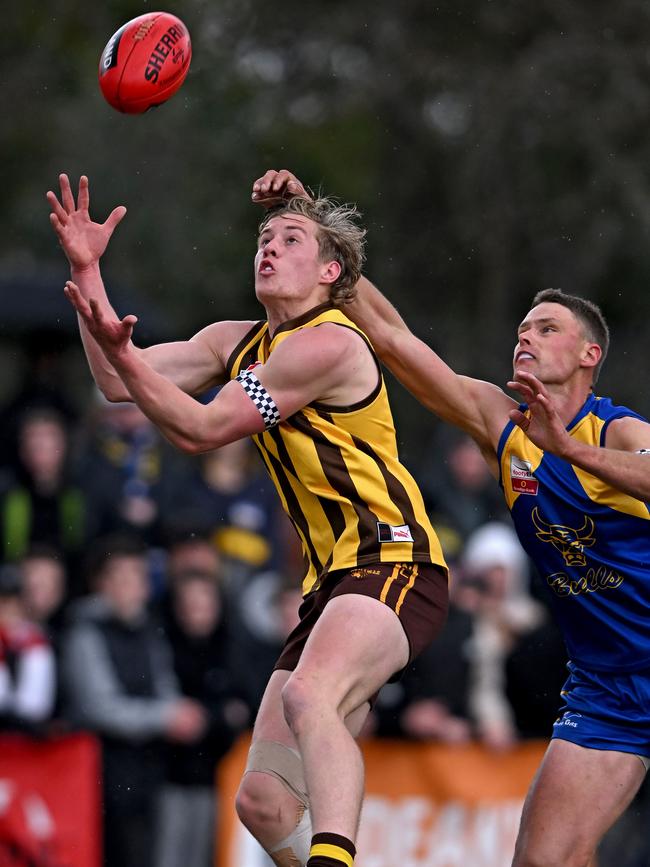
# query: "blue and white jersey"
590 543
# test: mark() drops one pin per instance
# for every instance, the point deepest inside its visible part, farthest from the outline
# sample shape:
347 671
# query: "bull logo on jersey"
569 542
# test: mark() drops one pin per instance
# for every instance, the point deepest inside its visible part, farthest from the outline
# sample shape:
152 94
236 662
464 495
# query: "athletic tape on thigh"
283 763
260 397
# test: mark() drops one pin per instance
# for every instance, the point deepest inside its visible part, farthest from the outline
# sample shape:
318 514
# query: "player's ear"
330 272
591 355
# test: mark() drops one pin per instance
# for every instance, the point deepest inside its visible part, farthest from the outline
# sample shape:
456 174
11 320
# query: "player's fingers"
83 198
521 383
265 183
544 403
95 311
57 210
116 216
73 294
66 193
296 188
130 320
517 385
266 200
56 224
531 380
280 180
258 183
521 420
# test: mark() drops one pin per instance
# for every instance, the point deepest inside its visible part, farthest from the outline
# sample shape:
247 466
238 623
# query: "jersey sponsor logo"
569 542
250 367
521 476
388 533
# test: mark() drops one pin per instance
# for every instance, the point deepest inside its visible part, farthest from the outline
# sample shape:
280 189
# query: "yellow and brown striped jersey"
337 471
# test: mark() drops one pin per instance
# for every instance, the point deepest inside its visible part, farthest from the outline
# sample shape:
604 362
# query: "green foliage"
494 148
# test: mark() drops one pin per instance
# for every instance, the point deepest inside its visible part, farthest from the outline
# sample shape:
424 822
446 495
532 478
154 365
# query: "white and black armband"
265 404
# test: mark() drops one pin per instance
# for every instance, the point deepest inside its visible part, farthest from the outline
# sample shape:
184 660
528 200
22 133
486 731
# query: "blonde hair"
340 238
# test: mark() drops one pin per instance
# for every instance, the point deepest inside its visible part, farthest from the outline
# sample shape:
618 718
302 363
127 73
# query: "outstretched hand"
113 335
275 187
543 425
83 241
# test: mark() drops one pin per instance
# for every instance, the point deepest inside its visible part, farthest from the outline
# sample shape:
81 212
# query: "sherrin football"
145 62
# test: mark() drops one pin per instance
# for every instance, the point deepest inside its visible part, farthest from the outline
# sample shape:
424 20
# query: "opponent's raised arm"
480 408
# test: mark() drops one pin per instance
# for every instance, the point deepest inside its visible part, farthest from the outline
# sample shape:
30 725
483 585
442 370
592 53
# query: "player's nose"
524 338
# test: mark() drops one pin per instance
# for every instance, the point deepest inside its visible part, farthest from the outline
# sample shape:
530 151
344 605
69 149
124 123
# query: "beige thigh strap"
281 762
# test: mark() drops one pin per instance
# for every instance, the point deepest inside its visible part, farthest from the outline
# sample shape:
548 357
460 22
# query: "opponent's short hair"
588 314
339 235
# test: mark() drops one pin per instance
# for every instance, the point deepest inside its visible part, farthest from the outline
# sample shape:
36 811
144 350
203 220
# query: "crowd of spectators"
144 597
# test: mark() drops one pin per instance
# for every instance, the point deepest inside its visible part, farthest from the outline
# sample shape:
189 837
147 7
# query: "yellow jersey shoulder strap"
316 316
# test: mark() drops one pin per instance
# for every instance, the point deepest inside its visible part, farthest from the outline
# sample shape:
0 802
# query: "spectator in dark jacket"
204 669
120 682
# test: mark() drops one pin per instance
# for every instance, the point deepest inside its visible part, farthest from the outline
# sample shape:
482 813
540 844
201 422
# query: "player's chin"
265 288
523 367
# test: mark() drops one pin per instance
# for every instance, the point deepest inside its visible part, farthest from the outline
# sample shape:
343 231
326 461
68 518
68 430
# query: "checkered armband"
260 397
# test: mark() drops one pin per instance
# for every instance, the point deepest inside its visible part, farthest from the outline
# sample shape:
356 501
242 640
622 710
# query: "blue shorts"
604 711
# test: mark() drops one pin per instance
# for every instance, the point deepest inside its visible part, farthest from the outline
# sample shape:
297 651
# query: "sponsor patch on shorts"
570 718
388 533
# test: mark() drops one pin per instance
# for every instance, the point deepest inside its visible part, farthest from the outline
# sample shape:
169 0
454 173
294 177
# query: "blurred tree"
495 149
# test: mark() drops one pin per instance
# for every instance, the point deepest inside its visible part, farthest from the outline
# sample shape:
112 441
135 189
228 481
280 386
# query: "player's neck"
281 310
569 398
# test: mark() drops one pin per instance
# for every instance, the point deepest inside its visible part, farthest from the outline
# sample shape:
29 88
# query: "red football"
145 62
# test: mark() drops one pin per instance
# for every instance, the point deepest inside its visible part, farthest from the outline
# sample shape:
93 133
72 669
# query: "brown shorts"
417 592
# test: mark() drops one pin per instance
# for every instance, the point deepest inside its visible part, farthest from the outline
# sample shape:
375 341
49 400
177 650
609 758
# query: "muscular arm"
479 408
619 463
193 365
318 365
